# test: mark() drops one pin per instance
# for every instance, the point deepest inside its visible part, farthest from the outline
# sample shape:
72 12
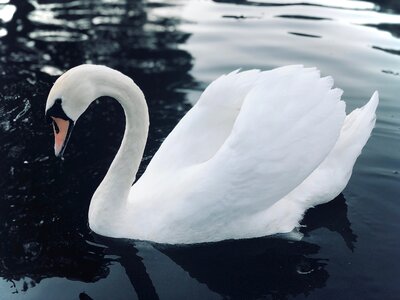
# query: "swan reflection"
237 269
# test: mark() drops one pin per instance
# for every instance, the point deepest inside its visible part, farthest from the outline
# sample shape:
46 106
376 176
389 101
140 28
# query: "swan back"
282 125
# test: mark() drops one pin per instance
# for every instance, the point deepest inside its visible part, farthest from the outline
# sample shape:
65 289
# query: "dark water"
173 49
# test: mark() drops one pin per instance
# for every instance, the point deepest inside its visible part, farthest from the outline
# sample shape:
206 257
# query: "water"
173 49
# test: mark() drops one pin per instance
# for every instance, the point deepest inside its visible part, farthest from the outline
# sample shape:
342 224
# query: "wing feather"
286 126
250 140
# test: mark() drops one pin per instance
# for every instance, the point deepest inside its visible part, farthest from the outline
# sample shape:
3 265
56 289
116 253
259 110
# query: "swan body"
253 154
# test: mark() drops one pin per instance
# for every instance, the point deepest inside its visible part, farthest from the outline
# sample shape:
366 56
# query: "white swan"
256 151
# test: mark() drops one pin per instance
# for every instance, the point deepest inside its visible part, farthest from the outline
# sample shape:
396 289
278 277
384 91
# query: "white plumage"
256 151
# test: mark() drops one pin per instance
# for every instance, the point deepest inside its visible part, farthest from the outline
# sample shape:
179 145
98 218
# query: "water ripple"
173 49
57 36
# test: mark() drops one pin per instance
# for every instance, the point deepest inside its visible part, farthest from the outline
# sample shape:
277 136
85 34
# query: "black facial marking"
56 129
57 111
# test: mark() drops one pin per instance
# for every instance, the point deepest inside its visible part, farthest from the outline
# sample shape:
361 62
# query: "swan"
252 155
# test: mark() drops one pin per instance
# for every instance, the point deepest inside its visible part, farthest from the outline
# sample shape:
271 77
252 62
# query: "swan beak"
62 131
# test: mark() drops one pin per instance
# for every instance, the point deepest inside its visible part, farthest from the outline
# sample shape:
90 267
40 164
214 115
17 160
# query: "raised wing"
287 125
205 128
250 140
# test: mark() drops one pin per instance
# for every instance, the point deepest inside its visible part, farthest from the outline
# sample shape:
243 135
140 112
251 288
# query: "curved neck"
111 195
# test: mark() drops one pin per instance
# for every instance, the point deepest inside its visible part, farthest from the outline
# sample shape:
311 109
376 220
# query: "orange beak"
62 130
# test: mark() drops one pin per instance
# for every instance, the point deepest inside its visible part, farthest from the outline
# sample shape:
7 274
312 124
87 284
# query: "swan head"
69 97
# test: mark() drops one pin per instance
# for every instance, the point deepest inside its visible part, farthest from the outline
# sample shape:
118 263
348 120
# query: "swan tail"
330 178
355 133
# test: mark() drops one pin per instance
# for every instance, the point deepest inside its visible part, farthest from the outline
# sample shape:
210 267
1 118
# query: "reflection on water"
254 269
335 219
173 49
250 269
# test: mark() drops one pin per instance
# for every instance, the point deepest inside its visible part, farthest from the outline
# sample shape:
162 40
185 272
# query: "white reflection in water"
52 71
7 13
57 36
3 32
286 35
334 3
207 11
106 20
78 14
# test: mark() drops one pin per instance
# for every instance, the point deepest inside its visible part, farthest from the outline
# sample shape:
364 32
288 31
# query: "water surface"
173 49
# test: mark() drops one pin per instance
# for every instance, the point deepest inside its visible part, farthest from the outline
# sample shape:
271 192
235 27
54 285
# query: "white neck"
110 198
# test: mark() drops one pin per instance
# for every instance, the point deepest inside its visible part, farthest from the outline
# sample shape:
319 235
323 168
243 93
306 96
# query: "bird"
255 152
